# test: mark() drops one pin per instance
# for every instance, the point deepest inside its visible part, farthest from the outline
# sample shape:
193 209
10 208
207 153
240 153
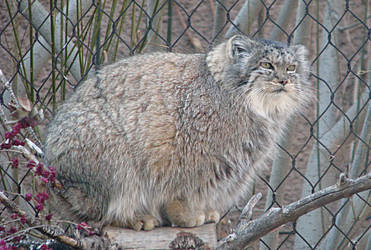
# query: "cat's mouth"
279 90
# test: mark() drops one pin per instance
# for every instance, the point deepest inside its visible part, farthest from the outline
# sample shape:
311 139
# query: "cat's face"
272 77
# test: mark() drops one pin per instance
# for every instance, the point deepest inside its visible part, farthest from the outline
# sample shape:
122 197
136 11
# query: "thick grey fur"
155 129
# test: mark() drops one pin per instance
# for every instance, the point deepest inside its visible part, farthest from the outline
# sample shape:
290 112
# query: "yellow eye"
266 65
291 67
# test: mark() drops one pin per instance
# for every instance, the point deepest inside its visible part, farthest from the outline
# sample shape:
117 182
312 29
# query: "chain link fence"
48 47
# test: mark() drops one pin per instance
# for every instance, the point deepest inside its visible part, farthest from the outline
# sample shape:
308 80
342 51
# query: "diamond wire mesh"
70 43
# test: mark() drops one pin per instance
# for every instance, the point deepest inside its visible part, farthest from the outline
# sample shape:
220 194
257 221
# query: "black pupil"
267 65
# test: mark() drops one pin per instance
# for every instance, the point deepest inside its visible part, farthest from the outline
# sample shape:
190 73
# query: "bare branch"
220 19
353 25
85 243
246 213
245 18
41 20
311 225
155 11
41 49
194 40
369 241
330 141
282 161
353 209
255 229
9 88
303 23
283 19
32 222
328 70
280 168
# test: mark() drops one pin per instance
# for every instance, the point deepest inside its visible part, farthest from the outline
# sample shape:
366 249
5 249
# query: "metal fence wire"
48 47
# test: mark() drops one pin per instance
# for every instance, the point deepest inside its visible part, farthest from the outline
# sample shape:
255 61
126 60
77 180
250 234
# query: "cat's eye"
291 68
266 65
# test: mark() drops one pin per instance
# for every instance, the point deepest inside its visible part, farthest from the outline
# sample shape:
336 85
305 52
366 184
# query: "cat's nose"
284 82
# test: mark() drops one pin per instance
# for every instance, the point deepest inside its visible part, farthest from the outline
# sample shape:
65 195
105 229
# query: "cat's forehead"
278 53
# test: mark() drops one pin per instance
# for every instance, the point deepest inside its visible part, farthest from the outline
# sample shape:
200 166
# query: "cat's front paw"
212 216
179 214
146 222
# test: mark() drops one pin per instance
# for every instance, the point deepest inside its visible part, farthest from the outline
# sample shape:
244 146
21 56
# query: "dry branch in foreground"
253 230
245 232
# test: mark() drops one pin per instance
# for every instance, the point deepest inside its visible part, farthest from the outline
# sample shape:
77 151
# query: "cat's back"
135 99
140 75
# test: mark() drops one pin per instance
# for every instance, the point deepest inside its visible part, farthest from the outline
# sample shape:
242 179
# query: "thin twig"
91 242
353 25
246 213
212 7
8 87
32 222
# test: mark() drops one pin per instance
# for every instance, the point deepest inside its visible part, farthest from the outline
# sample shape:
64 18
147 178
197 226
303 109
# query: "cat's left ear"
300 52
240 46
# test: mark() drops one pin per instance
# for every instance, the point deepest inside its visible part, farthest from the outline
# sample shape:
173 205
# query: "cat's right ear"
239 46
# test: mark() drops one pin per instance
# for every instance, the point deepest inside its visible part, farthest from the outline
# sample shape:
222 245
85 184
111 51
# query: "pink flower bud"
6 146
52 169
39 207
23 219
39 169
49 217
8 135
31 164
17 142
44 247
17 126
28 197
45 180
45 173
17 239
15 162
52 177
12 230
